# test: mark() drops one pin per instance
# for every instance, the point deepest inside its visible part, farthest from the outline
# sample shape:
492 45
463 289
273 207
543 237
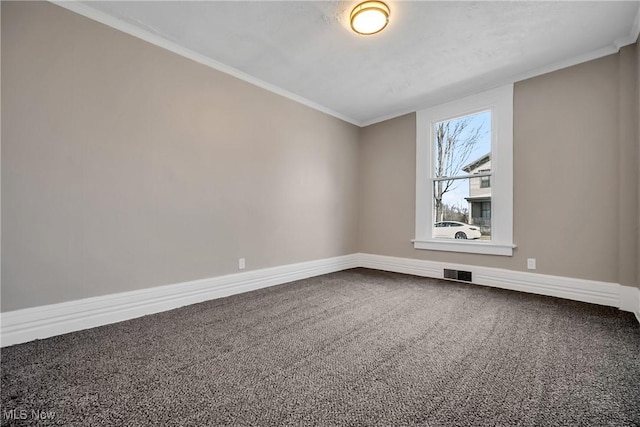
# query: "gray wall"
571 210
125 166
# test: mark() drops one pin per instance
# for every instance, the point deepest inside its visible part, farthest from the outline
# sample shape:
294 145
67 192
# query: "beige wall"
567 175
629 216
637 119
125 166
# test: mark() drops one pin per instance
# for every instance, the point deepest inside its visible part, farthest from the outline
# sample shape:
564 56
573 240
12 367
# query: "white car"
455 230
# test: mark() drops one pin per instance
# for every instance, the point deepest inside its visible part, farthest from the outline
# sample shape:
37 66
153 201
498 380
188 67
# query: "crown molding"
576 60
632 37
157 40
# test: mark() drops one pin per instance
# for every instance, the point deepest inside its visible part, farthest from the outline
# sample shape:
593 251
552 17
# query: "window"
486 210
485 181
464 175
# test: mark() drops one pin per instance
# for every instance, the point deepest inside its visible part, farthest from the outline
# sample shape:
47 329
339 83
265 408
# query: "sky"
456 197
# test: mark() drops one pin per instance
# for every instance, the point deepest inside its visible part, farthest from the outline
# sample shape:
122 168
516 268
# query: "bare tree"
455 212
454 145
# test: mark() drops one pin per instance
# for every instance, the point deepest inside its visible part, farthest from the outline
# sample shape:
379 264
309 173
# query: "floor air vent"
464 276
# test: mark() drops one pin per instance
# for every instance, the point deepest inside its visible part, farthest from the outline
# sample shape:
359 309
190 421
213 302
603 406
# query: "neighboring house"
480 194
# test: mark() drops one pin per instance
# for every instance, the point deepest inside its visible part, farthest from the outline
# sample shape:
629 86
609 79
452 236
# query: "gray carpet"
359 347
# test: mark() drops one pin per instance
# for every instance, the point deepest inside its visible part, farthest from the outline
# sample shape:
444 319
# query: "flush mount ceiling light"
369 17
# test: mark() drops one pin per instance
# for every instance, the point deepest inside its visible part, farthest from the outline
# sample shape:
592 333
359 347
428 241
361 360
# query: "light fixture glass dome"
369 17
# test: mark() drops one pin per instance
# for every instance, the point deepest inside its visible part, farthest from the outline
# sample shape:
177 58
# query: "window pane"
462 145
461 213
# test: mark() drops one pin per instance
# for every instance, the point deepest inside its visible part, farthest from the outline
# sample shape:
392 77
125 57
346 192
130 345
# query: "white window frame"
500 102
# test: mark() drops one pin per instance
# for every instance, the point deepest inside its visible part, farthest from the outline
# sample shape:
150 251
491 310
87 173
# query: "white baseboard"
46 321
625 298
630 300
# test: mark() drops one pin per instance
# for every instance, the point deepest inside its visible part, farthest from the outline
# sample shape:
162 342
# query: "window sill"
471 247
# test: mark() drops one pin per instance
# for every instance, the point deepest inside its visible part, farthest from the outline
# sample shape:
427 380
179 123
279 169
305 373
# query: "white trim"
28 324
474 89
630 300
478 88
500 102
155 39
103 18
469 246
46 321
614 47
632 37
625 298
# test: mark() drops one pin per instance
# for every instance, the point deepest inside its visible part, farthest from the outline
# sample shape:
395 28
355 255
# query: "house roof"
481 198
476 163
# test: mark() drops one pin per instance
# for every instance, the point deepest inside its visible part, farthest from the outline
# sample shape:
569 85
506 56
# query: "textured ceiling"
431 51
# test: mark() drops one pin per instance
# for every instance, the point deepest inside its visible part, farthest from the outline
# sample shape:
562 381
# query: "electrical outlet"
531 263
241 264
